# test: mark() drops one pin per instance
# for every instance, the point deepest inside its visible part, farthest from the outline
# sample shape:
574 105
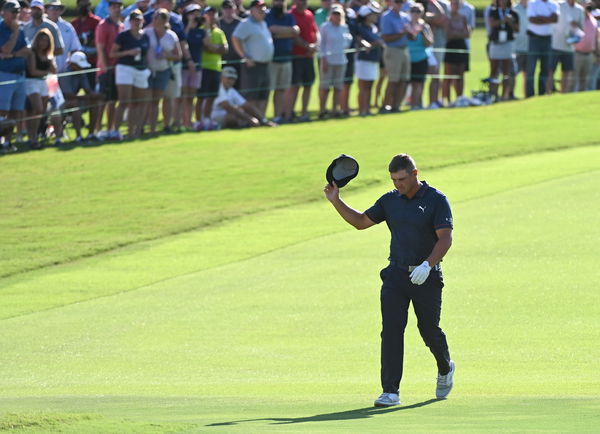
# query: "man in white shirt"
230 109
54 10
570 22
541 14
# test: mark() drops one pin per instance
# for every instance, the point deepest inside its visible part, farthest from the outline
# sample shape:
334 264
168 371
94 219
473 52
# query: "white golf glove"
419 274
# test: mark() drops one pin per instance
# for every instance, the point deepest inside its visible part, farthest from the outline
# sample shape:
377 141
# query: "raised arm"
353 217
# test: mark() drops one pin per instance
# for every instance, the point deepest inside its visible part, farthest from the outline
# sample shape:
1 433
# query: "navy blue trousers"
540 49
397 292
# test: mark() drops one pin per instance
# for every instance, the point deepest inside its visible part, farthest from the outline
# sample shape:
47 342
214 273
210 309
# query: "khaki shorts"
173 89
397 63
334 77
281 75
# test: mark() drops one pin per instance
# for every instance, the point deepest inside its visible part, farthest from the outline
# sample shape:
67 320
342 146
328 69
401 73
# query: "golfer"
420 222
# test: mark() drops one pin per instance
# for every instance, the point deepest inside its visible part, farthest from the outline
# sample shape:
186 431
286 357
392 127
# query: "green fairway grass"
63 205
278 330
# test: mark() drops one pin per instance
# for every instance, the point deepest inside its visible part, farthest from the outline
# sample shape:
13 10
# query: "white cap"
80 59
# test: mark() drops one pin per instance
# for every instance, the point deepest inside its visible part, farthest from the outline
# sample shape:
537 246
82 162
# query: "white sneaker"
387 400
445 382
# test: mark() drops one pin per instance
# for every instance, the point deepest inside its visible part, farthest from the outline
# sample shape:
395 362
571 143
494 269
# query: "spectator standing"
541 14
55 9
13 65
40 63
367 61
395 29
504 23
437 17
521 41
585 50
303 64
85 25
335 39
351 22
131 73
192 62
102 10
106 34
322 13
283 28
421 38
570 22
231 110
38 22
164 49
241 11
141 5
71 85
214 49
253 42
455 60
228 22
24 15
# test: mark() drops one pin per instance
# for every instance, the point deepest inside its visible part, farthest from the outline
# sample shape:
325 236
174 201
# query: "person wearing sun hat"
38 22
367 60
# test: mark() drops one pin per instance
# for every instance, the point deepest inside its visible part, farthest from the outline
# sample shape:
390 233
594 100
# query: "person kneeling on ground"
230 109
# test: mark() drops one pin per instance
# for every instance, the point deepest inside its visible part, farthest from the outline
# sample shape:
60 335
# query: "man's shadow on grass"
360 413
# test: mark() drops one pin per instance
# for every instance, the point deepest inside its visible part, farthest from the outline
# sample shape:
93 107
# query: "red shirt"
86 30
106 33
308 30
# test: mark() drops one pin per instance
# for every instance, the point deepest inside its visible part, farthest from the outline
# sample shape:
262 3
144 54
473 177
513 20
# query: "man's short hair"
402 162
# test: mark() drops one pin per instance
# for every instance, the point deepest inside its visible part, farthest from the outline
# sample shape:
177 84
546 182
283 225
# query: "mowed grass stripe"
146 263
288 341
61 206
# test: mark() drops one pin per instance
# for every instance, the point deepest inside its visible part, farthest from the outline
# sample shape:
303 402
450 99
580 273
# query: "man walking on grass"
420 222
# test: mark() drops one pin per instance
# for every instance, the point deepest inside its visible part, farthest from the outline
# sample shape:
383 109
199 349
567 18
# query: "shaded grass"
63 206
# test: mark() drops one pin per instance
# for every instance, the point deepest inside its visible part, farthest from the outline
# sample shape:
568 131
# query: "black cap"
227 4
342 170
259 3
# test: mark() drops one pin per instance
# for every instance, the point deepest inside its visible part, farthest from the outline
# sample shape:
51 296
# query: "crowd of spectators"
199 68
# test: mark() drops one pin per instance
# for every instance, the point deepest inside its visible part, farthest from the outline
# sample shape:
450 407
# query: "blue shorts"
566 59
159 79
12 94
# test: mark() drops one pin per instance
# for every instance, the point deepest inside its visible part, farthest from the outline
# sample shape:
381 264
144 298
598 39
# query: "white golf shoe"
445 382
387 400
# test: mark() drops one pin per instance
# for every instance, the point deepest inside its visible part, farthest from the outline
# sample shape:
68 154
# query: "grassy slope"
65 205
287 341
127 268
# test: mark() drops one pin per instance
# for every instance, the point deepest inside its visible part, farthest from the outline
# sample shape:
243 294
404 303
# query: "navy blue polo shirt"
127 41
369 34
412 222
195 40
283 46
16 65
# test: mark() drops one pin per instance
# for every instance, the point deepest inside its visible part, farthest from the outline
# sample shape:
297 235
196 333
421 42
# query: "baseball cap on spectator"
368 9
80 59
259 3
227 4
37 4
110 2
55 4
136 14
11 5
337 9
191 8
208 9
229 72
